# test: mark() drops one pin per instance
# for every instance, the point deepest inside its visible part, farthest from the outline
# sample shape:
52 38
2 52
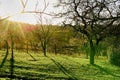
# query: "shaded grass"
56 67
3 61
64 70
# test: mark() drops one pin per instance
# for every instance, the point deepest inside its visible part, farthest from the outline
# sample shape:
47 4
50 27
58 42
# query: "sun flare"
25 18
15 7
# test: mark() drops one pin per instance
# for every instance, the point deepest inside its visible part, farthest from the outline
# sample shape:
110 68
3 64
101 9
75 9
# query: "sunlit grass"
57 67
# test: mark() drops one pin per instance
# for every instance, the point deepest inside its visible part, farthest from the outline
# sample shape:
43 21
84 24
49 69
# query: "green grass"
60 67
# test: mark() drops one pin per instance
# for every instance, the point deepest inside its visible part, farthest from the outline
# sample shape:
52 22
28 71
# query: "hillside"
36 66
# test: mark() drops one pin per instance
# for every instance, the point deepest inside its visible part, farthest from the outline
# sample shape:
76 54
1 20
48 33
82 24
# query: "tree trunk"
44 51
27 47
0 45
55 49
44 48
92 52
31 44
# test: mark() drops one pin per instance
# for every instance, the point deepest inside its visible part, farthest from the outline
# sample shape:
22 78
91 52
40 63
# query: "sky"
13 8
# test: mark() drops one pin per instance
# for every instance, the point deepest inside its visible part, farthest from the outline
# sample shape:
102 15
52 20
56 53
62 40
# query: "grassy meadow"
34 66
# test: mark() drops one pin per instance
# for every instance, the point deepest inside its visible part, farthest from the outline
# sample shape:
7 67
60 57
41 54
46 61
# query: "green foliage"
113 50
115 57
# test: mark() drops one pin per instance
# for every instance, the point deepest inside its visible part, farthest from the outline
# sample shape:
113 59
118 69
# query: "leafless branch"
24 4
36 11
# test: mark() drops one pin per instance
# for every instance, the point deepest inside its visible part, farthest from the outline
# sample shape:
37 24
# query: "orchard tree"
60 38
93 18
44 34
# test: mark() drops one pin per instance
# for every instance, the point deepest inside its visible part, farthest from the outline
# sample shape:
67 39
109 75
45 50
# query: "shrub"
115 57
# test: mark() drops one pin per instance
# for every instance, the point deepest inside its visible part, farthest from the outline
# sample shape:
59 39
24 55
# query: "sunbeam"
21 30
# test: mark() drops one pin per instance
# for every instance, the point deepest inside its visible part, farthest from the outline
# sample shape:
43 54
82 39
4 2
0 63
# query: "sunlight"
25 18
12 28
6 28
21 30
15 8
74 42
3 31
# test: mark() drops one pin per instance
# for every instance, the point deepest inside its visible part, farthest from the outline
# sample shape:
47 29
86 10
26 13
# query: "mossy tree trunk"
92 51
44 51
45 48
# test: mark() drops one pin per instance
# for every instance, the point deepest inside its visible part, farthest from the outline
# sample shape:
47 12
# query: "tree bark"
44 51
92 52
44 48
55 49
27 47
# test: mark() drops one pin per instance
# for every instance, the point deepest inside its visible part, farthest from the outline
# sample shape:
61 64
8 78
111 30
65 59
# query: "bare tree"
44 32
93 18
36 8
44 35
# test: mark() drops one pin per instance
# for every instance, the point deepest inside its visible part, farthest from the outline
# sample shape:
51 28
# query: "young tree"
60 39
93 18
44 35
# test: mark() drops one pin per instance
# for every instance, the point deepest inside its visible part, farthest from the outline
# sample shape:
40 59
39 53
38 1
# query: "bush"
115 57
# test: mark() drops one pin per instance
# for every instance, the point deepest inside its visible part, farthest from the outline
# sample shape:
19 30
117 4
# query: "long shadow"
7 52
105 70
31 56
5 58
63 69
12 66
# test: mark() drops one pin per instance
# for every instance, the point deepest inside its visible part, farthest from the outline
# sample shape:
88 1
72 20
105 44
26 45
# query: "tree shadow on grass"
63 69
31 56
5 58
105 70
11 76
12 66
